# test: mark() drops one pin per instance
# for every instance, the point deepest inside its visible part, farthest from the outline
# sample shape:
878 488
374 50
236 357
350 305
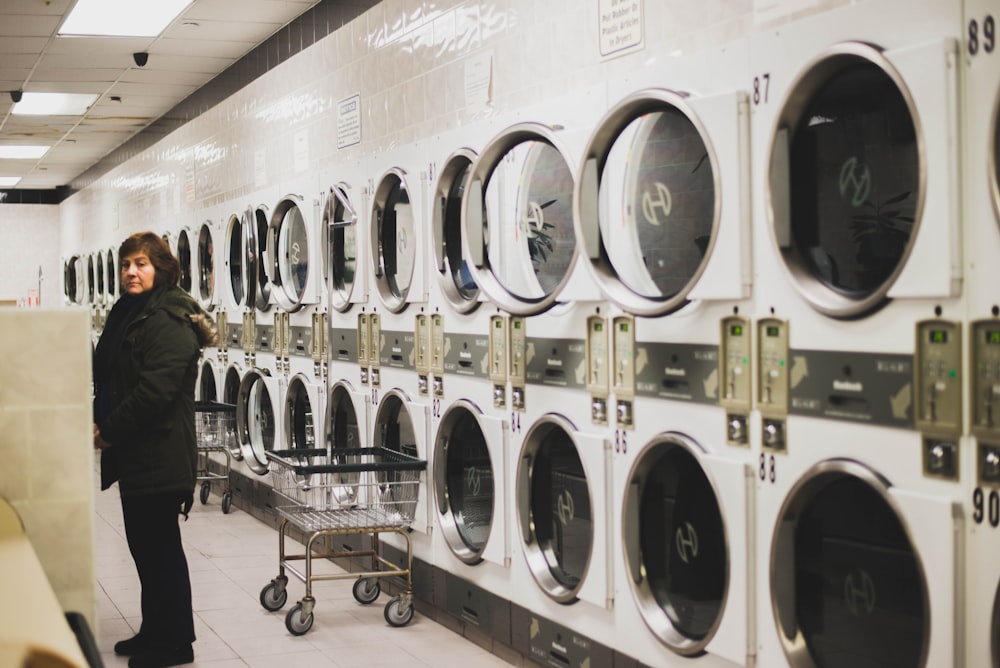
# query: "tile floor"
231 558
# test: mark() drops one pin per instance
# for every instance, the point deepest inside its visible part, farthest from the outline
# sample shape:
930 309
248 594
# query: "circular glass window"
846 581
395 248
91 279
206 383
465 483
236 253
557 524
995 630
341 224
529 213
848 143
995 168
675 543
394 431
99 274
290 268
184 258
231 384
70 279
255 419
112 275
206 267
343 438
300 427
657 203
262 281
457 278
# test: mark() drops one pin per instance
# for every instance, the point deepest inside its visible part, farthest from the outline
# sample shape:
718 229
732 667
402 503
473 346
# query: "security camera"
15 95
140 58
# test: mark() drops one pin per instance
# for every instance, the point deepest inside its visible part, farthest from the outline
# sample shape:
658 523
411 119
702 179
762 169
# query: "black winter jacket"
150 412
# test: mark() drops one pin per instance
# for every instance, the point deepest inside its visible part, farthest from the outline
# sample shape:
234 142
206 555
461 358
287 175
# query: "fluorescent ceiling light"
54 104
9 181
122 18
22 152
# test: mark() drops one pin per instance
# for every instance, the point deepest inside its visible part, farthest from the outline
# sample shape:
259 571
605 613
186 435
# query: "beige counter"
33 627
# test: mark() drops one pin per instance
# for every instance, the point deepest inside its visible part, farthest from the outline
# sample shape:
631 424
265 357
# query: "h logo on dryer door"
473 481
565 508
859 593
686 541
855 181
660 200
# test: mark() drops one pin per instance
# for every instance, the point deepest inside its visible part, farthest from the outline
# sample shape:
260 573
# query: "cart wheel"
366 590
271 598
396 614
227 503
206 489
296 624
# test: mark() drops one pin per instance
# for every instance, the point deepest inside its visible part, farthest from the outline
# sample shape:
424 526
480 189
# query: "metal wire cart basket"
215 428
343 491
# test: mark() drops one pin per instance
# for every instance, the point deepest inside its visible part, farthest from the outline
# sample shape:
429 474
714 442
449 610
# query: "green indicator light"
745 360
952 373
781 363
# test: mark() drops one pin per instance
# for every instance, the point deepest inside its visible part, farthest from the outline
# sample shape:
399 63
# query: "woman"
145 366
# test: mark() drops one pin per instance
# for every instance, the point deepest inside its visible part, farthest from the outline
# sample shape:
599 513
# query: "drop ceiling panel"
208 38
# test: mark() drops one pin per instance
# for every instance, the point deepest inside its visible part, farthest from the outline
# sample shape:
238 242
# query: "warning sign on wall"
620 26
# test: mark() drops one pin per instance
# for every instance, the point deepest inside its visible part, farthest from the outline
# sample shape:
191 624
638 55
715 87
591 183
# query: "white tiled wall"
29 244
407 60
46 445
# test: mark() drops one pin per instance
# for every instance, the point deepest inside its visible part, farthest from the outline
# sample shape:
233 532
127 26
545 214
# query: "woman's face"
138 273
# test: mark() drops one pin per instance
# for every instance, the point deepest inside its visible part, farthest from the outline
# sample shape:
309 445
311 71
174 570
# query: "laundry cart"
338 492
215 428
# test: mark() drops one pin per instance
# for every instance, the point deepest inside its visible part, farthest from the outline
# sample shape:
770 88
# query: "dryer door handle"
524 500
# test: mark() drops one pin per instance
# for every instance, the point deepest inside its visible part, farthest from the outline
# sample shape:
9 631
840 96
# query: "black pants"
154 538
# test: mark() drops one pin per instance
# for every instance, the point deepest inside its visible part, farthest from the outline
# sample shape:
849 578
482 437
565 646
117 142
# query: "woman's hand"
99 443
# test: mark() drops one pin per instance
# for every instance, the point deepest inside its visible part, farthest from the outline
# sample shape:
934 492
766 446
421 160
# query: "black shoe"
134 645
163 657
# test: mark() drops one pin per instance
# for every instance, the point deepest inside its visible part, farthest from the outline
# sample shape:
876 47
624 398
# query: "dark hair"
168 269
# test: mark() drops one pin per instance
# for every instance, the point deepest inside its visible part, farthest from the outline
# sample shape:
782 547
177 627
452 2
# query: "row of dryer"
703 359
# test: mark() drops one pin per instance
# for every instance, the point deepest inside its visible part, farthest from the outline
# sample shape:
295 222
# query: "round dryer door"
260 277
241 261
464 482
290 243
994 166
112 276
344 433
184 259
341 249
518 212
675 544
91 280
76 280
231 384
456 277
256 421
995 630
648 202
394 430
206 389
99 274
555 508
847 585
846 180
301 406
206 268
394 240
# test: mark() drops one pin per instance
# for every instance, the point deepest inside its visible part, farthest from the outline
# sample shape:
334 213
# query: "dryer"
858 336
294 258
662 207
981 213
519 239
